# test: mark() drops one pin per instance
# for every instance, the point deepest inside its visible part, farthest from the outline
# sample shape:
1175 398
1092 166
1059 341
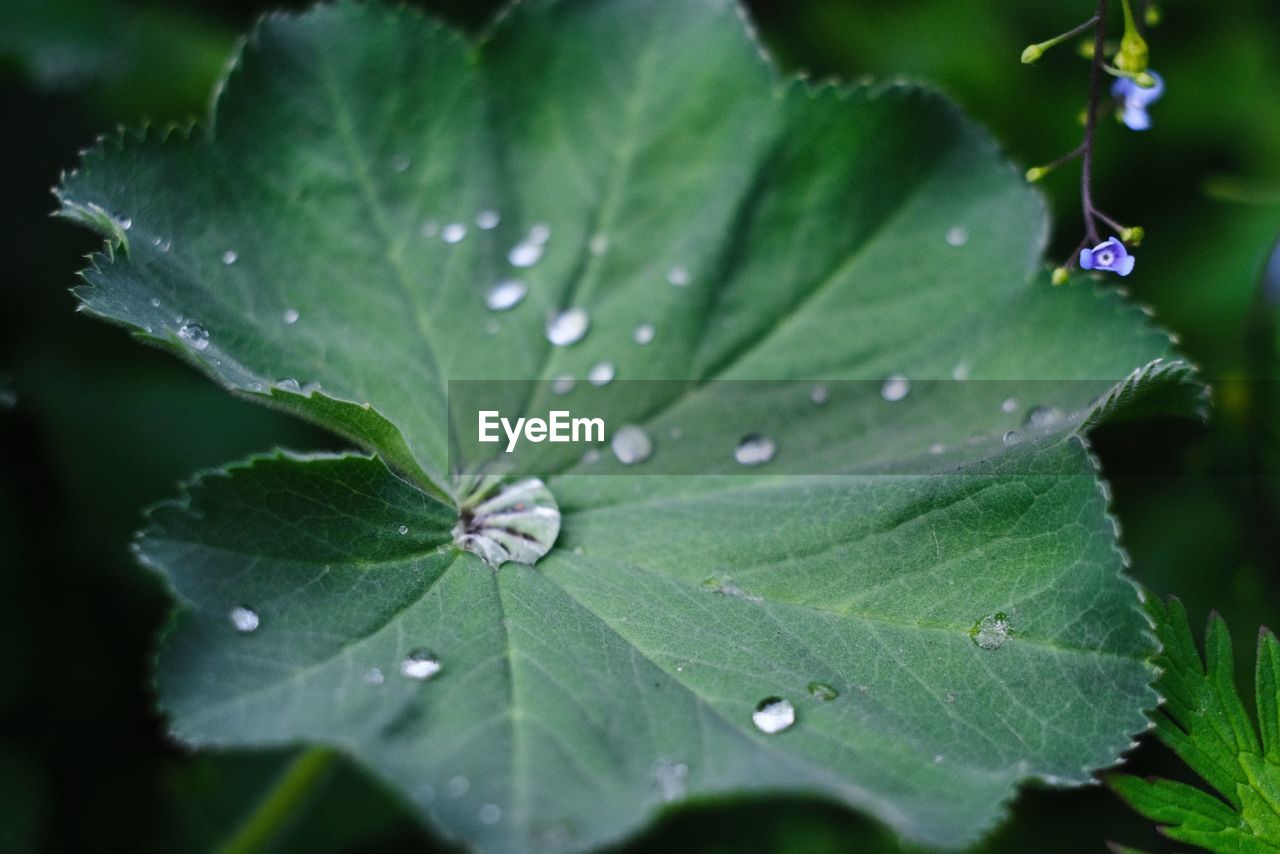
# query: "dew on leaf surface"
895 388
631 445
568 327
1010 404
420 664
457 786
291 316
678 276
196 334
244 620
1044 416
958 236
672 779
488 219
601 373
773 715
230 257
490 814
1010 437
755 450
454 232
505 295
644 333
563 384
991 631
819 394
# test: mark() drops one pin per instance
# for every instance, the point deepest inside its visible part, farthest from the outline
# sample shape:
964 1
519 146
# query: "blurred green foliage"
100 427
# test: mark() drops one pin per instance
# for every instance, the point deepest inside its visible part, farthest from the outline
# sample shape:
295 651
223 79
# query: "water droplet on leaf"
196 334
490 814
631 445
245 620
506 295
601 373
895 388
678 276
230 257
568 327
672 779
453 232
486 220
991 631
421 664
958 236
291 316
773 715
755 450
644 333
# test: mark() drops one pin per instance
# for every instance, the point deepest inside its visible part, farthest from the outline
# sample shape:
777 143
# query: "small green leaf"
330 242
1205 722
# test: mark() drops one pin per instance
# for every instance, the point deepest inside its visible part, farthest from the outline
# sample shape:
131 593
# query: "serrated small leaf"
1205 722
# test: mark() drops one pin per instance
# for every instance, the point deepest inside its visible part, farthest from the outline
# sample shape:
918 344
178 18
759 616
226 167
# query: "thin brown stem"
1091 123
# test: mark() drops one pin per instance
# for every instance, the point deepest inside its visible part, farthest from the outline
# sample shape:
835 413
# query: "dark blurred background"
93 427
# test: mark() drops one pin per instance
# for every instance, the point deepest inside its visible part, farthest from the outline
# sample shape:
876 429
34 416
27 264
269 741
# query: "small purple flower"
1109 255
1135 99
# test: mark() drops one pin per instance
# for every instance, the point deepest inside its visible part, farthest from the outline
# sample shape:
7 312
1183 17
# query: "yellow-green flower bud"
1060 276
1032 53
1133 55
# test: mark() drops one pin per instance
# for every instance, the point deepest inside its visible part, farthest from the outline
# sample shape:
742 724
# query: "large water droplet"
230 257
244 620
568 327
755 450
403 529
421 664
631 445
196 334
453 232
291 316
895 388
506 295
486 220
958 236
502 521
991 631
1011 437
601 373
822 692
773 715
644 333
289 384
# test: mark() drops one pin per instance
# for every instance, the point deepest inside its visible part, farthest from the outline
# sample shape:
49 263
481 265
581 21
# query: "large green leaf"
940 638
